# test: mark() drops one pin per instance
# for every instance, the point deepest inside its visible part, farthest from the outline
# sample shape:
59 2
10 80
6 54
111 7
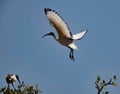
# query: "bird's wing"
79 35
58 23
13 77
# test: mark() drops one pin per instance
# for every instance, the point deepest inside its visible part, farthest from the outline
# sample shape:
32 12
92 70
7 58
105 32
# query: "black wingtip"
86 30
46 10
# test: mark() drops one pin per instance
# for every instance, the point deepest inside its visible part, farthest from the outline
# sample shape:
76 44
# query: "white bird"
11 78
65 37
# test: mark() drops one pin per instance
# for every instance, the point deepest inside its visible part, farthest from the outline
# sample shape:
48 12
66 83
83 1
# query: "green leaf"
98 79
115 77
114 84
106 92
103 82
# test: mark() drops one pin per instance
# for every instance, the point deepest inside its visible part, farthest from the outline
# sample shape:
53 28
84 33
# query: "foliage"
29 89
21 89
101 84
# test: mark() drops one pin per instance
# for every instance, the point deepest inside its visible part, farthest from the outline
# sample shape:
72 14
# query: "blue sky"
44 61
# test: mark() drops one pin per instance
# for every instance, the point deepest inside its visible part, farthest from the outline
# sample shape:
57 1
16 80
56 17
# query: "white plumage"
11 78
65 36
79 35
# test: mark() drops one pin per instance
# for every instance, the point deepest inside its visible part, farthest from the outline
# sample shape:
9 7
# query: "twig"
100 87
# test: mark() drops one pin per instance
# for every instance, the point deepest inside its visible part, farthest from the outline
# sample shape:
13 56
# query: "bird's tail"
73 46
79 35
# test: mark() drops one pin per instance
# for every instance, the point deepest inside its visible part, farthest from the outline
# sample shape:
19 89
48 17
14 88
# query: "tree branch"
100 87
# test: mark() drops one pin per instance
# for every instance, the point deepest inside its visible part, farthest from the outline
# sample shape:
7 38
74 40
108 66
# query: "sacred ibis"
65 36
11 78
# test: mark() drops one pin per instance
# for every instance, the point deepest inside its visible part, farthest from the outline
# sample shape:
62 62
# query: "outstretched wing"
79 35
58 23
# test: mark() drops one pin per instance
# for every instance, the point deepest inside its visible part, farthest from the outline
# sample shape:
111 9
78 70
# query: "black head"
18 79
51 33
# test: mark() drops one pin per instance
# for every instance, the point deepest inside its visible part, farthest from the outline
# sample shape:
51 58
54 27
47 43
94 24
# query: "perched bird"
65 36
11 78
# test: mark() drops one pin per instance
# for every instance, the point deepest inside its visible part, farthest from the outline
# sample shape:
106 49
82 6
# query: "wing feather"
58 23
79 35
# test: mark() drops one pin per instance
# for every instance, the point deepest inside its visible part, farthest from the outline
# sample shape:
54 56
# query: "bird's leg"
71 55
13 86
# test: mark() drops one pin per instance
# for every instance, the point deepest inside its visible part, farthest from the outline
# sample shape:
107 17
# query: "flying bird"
11 78
65 37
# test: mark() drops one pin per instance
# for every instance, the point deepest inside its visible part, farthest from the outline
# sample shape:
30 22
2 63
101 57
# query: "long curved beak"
46 35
